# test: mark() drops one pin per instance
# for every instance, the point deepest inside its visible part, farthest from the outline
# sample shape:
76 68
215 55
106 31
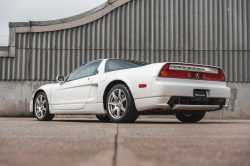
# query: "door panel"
72 94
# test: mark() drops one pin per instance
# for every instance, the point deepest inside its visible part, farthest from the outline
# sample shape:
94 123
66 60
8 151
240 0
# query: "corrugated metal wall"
213 32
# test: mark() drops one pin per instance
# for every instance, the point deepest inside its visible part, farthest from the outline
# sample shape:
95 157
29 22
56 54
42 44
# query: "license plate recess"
200 95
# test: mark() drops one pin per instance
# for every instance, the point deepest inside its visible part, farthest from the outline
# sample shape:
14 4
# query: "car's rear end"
187 88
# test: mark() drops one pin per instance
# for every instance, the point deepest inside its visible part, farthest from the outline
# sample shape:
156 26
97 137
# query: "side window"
85 70
112 65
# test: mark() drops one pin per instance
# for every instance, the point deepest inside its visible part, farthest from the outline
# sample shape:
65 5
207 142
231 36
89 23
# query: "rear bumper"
163 88
152 103
196 107
185 87
161 103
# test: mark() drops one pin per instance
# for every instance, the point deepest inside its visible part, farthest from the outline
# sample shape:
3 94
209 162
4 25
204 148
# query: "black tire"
131 113
47 116
190 118
103 118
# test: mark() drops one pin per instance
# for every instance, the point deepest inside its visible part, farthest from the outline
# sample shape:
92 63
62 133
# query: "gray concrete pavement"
26 141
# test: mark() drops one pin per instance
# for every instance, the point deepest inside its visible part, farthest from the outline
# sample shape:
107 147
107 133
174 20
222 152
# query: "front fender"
45 88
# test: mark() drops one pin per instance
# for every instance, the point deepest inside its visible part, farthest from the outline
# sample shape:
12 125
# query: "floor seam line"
116 146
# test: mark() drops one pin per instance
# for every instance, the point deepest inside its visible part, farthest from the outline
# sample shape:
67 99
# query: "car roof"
140 63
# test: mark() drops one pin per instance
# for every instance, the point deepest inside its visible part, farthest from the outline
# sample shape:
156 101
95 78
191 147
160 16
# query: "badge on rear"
197 75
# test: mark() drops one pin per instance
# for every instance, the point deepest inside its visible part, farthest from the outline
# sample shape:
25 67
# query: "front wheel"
190 118
120 105
41 108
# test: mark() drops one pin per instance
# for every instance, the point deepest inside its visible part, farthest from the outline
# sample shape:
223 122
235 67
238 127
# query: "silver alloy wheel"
117 103
40 106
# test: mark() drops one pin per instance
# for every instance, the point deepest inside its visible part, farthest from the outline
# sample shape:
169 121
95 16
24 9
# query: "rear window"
119 64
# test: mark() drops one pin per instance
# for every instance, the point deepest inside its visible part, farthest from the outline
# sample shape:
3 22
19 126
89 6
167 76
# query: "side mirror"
60 79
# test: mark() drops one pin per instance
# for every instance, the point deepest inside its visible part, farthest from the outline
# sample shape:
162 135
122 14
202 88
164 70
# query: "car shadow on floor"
177 122
145 121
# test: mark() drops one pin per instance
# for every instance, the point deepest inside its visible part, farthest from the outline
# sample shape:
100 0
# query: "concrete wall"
239 107
15 97
196 31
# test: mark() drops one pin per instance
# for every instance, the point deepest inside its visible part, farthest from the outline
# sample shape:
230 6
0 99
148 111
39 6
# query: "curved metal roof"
69 22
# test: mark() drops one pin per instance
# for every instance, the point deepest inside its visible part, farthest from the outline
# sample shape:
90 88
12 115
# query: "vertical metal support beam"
29 52
12 41
12 36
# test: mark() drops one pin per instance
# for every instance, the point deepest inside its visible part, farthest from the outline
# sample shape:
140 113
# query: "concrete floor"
26 141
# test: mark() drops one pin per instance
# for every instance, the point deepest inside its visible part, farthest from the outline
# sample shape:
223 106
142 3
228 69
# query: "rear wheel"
103 118
120 105
41 108
190 118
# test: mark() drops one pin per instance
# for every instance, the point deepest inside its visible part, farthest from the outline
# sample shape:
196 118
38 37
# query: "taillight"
166 72
222 75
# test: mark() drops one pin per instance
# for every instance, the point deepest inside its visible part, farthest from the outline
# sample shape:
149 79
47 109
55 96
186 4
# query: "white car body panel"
46 88
71 95
87 96
184 87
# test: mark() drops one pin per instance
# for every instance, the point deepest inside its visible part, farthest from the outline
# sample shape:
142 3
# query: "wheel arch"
109 86
35 94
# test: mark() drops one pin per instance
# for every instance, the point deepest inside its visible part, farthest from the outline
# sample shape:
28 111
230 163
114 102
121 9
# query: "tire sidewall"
103 118
47 106
192 119
129 102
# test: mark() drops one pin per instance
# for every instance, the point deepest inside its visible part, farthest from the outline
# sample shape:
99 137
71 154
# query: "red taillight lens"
165 72
204 76
214 77
177 74
222 75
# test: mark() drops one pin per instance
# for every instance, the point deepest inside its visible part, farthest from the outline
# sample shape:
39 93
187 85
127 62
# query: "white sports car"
120 90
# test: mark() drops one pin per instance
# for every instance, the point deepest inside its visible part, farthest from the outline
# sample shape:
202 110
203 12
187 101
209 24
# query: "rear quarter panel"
135 76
